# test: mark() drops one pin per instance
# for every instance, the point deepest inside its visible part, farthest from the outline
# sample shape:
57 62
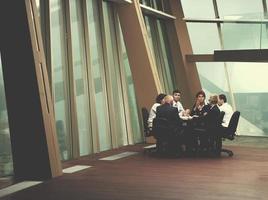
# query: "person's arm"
152 115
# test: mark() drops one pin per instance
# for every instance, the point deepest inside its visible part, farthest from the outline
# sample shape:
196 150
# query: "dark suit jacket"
212 118
171 114
201 112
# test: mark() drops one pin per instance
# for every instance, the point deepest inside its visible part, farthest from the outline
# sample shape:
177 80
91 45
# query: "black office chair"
145 116
229 132
146 131
166 135
214 138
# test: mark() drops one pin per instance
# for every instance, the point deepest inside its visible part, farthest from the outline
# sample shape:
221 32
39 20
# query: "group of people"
183 122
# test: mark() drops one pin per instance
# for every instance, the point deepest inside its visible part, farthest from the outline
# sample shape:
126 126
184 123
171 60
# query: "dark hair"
160 97
200 93
223 97
176 91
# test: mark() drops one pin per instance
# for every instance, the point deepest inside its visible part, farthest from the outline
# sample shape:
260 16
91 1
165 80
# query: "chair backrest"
145 116
161 127
233 123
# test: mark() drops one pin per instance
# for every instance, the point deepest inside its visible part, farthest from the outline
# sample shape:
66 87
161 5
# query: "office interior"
74 76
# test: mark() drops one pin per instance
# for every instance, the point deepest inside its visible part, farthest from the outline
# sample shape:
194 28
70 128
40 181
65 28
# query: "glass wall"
131 96
199 34
156 4
114 79
159 46
243 83
6 164
88 73
251 95
80 78
59 60
97 68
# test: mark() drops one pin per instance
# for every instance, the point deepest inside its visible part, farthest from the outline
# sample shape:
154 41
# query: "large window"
60 77
238 7
200 33
97 67
6 164
160 49
80 78
198 9
95 105
131 96
114 79
243 83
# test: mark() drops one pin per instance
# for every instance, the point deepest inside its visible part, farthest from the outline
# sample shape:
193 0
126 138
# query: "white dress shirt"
152 114
225 107
178 105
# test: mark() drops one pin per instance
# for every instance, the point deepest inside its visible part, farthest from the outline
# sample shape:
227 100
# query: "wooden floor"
6 181
242 177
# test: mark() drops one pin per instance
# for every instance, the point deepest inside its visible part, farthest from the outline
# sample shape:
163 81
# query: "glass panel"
6 163
213 79
167 63
264 35
198 9
114 75
60 81
79 68
200 33
38 6
151 30
251 96
133 108
242 36
158 42
97 67
231 7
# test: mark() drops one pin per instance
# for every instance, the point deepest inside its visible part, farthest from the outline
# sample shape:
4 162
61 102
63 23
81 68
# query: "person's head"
222 99
213 99
168 99
176 95
160 98
200 97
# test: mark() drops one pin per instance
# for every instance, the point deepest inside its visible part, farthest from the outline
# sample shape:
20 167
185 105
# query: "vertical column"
186 73
143 67
30 110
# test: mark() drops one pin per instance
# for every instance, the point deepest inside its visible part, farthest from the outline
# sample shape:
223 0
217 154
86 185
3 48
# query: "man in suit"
211 119
172 122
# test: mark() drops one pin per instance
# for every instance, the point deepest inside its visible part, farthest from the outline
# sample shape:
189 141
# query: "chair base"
229 152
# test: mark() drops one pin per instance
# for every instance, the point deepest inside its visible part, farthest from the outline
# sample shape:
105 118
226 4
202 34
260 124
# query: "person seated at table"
226 108
171 115
176 100
200 107
158 101
211 124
